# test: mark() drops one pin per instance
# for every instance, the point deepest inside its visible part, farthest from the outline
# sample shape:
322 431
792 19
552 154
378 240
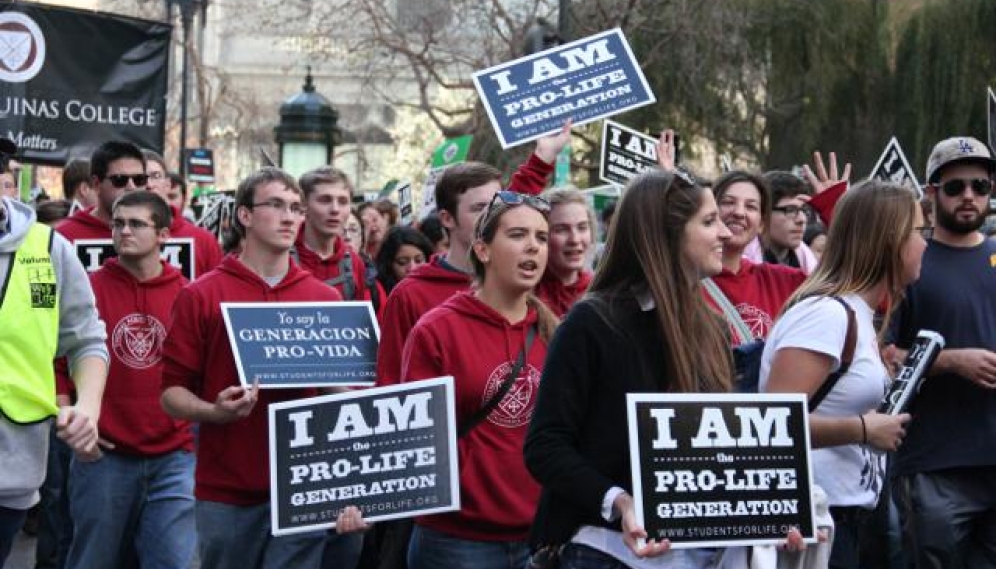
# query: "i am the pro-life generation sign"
177 251
303 344
625 153
720 470
584 80
389 451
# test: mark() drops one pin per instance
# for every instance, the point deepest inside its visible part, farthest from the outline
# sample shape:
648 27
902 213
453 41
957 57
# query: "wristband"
864 430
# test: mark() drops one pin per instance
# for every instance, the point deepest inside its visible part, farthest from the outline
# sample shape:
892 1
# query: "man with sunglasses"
115 168
945 471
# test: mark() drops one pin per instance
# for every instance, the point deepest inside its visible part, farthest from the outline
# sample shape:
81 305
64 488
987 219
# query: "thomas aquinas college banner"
72 79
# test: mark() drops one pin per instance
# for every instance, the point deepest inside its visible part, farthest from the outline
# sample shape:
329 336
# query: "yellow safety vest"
29 330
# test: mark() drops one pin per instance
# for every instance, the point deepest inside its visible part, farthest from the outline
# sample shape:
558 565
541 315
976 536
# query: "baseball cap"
957 149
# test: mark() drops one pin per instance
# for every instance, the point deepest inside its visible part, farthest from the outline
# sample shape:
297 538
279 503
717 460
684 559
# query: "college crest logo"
516 408
22 48
138 340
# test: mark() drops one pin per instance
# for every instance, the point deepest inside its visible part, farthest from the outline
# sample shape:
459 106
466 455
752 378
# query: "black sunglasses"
121 180
980 186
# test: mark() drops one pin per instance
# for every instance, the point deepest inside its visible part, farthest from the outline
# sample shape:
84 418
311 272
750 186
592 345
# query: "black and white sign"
585 80
718 470
405 206
892 166
216 211
390 451
991 103
303 344
625 153
177 251
71 79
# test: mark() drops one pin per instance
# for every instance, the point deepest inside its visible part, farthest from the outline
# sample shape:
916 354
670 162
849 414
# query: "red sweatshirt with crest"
137 314
232 459
469 340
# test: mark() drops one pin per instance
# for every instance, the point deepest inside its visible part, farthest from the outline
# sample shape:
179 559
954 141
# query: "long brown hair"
644 252
485 230
871 225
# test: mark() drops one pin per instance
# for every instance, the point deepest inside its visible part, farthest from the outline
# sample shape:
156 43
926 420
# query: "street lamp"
187 10
307 130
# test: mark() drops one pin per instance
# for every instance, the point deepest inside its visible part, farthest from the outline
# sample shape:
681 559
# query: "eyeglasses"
790 210
509 197
980 186
133 224
295 208
927 232
121 180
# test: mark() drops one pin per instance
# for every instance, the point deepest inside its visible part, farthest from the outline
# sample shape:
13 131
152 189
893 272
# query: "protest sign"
405 207
216 211
625 153
200 165
303 344
992 119
719 470
389 451
177 251
452 151
71 79
892 166
584 80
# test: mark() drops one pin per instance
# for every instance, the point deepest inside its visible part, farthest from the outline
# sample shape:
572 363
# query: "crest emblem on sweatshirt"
516 408
138 340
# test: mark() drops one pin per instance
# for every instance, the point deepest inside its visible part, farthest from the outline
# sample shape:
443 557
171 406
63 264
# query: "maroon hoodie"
423 289
558 296
84 225
232 459
137 314
328 269
469 340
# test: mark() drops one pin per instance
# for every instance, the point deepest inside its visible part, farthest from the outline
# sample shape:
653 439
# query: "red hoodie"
758 292
475 344
232 459
423 289
328 269
84 225
431 284
558 296
207 252
137 314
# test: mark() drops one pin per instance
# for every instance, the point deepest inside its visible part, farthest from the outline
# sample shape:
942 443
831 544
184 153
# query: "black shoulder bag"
503 390
850 342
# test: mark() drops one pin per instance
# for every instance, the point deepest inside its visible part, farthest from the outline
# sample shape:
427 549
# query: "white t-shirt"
851 474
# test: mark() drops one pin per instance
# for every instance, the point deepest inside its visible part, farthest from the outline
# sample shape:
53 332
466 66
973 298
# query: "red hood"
558 296
84 225
435 270
310 258
235 268
470 306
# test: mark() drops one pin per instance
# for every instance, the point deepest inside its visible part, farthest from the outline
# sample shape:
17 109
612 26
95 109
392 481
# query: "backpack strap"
729 311
502 391
846 357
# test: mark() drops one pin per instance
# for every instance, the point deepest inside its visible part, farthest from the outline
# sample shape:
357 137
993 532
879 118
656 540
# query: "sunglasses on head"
980 186
121 180
508 197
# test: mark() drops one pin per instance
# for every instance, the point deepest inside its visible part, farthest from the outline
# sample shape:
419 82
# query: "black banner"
177 251
389 451
73 79
625 153
713 470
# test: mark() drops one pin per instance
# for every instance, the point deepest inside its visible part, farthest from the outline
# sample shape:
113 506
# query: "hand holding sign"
350 520
548 147
633 532
236 402
885 432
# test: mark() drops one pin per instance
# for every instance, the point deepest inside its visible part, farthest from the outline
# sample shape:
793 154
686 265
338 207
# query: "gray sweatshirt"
81 334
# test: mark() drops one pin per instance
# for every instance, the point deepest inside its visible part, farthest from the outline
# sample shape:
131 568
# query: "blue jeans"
55 527
430 549
238 537
123 506
10 524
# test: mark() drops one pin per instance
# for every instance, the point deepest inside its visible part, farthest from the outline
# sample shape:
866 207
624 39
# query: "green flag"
452 151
